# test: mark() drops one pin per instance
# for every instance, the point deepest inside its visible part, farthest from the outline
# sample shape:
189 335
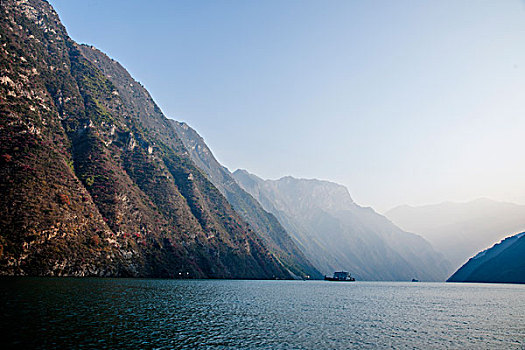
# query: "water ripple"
172 314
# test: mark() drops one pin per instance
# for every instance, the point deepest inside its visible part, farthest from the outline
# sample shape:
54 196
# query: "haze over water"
219 314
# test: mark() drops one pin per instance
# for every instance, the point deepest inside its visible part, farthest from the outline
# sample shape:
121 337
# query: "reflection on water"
139 313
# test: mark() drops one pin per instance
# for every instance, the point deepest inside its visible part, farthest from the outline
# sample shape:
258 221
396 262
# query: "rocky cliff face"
502 263
335 233
265 225
93 178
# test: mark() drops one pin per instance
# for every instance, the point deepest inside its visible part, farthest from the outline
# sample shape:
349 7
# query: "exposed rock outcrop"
93 178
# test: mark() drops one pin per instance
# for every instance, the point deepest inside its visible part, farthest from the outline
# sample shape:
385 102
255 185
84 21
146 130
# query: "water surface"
225 314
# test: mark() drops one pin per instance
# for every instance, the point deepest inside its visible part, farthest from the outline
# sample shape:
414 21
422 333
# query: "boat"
340 276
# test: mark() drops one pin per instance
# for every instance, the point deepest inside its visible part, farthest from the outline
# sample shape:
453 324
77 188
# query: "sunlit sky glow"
404 102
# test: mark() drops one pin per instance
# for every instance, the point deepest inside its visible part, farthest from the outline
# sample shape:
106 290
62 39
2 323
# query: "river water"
227 314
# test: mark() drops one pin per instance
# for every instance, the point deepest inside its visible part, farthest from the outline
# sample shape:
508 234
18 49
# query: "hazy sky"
404 102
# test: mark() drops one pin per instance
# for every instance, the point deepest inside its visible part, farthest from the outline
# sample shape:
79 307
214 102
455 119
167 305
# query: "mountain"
93 178
335 233
267 227
460 230
503 263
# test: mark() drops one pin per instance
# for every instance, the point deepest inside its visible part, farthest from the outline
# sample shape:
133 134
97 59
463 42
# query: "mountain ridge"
338 234
94 179
264 223
501 263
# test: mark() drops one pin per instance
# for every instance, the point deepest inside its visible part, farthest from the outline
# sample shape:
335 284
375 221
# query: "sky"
404 102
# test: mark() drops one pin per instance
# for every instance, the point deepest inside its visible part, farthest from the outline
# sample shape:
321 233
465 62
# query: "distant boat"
414 280
340 276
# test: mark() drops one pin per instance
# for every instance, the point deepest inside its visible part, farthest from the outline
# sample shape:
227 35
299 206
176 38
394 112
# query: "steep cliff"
93 178
335 233
265 225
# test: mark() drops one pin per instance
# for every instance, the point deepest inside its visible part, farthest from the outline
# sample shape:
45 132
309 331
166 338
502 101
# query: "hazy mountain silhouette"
335 233
460 230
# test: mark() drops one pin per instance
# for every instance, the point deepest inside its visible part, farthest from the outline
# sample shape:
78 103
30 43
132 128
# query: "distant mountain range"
502 263
335 233
460 230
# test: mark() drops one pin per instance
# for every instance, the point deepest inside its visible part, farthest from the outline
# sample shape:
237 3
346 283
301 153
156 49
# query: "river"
233 314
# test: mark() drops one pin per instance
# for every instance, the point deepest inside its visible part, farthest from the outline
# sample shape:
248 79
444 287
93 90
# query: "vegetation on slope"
502 263
90 185
264 224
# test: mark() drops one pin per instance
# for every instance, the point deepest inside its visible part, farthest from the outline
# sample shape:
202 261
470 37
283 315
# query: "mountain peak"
327 193
336 233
